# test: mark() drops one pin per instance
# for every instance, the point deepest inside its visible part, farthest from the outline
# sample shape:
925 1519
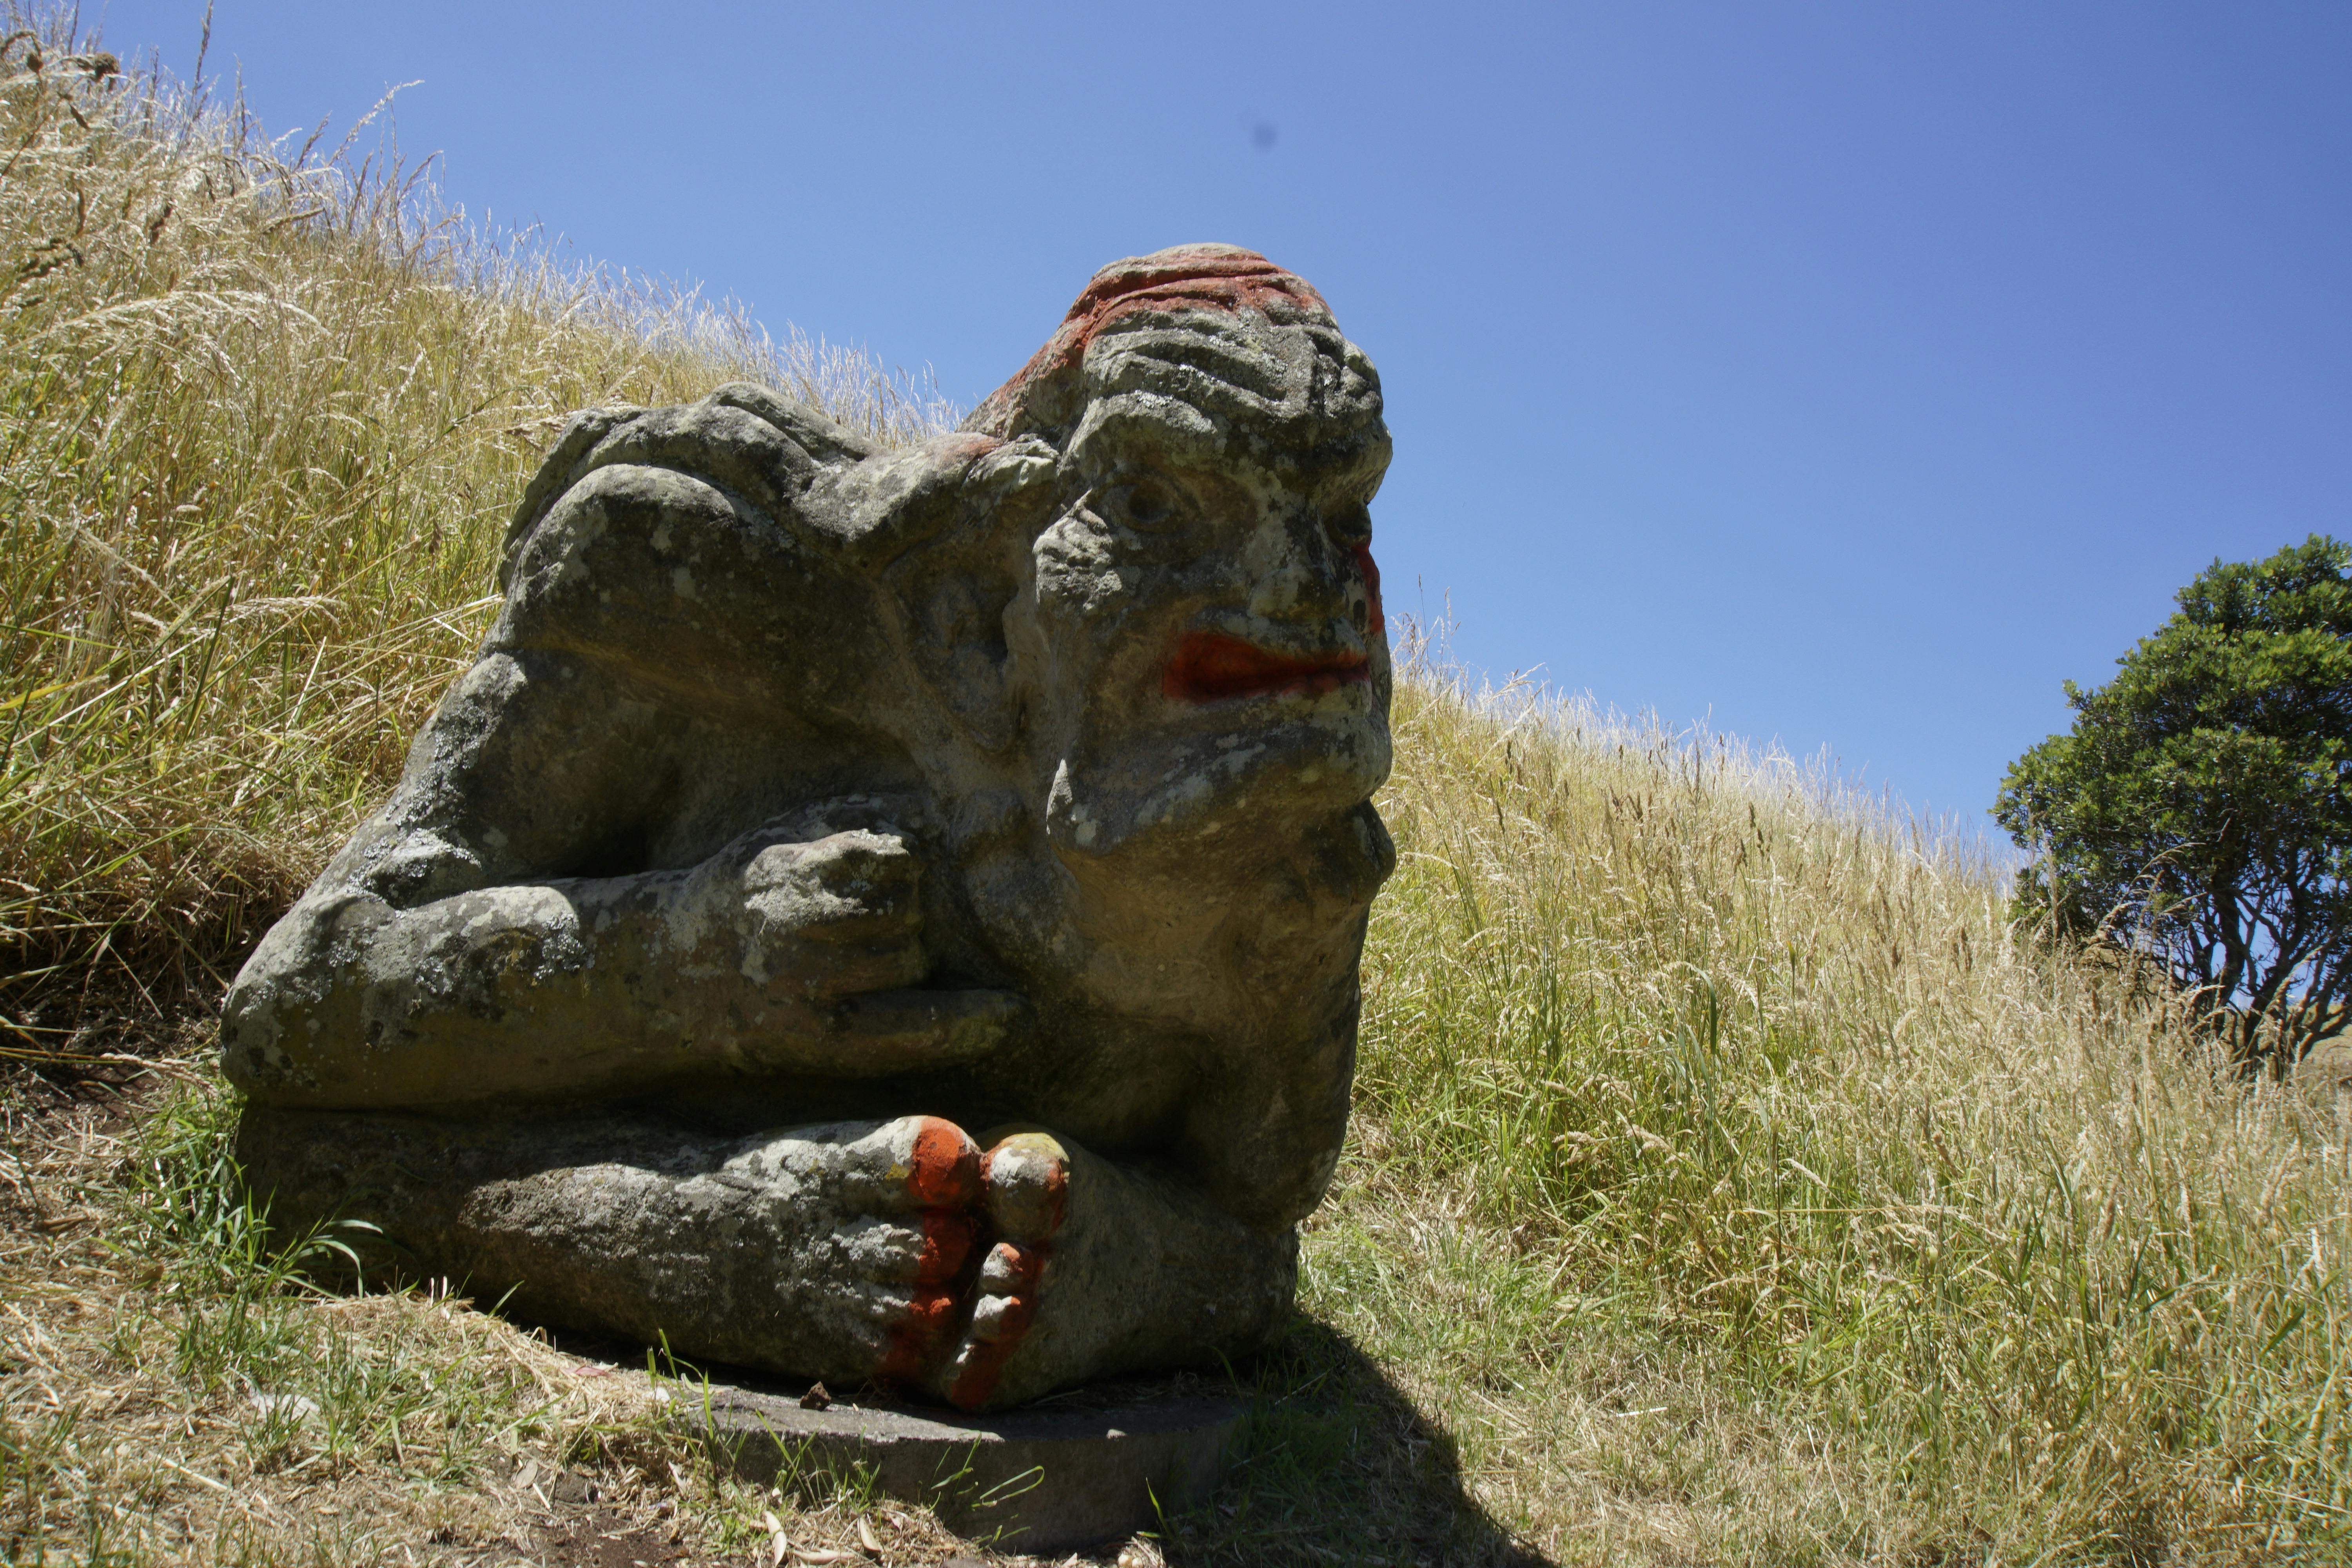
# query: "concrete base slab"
1045 1478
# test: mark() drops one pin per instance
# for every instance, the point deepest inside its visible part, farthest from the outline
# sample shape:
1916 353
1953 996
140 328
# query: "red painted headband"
1187 276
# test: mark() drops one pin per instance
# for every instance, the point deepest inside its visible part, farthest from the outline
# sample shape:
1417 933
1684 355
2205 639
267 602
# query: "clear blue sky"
1848 374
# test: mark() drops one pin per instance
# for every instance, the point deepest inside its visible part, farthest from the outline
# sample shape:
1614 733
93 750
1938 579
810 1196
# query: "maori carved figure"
883 916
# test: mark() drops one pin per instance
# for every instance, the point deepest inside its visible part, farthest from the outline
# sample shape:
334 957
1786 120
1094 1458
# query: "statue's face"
1206 629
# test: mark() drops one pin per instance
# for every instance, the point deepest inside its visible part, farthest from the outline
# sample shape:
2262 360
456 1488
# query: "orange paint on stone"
1377 624
944 1166
1194 277
915 1343
966 445
934 1315
948 1236
1209 667
1024 1264
984 1368
1188 277
984 1360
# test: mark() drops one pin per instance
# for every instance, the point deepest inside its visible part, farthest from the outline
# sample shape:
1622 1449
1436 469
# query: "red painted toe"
944 1170
948 1236
915 1343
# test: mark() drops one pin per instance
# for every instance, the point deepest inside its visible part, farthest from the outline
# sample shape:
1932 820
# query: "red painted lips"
1209 667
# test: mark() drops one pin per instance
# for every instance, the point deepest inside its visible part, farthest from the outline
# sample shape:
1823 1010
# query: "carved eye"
1145 503
1350 525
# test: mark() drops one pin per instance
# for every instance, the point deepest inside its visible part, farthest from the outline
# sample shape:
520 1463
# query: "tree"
2200 809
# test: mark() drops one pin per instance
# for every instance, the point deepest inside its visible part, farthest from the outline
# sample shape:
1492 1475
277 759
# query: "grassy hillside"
1728 1184
1735 1182
263 414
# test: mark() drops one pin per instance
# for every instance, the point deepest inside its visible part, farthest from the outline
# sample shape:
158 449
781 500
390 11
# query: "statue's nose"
1308 576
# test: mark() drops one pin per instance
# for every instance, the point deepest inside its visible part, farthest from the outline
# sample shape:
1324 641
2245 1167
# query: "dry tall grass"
263 412
1730 1185
1744 1191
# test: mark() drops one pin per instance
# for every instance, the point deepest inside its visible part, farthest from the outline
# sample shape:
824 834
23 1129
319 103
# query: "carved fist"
855 896
835 925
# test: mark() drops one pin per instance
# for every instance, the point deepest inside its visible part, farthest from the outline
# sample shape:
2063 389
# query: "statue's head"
1202 647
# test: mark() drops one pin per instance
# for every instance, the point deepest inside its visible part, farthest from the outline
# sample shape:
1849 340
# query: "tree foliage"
2200 809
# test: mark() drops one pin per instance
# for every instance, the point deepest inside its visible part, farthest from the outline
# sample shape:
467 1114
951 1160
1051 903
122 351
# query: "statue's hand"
835 925
838 915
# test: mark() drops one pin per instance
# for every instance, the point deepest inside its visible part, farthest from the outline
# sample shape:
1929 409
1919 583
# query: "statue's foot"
1094 1269
938 1252
892 1220
937 1255
897 1251
1045 1266
988 1278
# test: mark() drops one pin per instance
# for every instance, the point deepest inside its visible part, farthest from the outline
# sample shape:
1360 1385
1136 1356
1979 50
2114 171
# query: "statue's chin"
1238 779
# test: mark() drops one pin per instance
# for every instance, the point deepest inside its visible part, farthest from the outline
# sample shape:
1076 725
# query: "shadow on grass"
1335 1464
1338 1466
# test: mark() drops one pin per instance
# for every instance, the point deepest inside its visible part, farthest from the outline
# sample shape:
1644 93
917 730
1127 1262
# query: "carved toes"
909 1167
957 1246
944 1168
1028 1178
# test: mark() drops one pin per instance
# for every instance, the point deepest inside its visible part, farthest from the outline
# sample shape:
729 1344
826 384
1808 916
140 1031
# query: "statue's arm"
486 934
777 954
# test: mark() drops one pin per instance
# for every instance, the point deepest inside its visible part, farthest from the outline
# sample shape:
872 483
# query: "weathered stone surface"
1000 804
1045 1478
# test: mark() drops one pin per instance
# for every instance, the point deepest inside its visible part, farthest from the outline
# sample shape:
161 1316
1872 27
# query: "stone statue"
883 916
